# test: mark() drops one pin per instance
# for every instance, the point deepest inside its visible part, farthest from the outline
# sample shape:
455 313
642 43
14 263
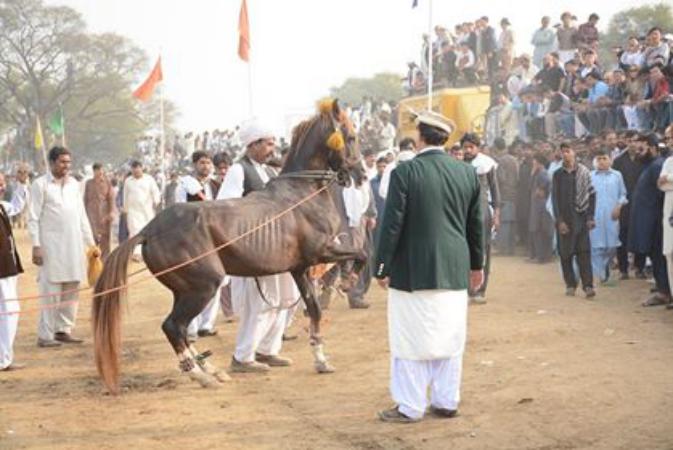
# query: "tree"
49 62
383 86
633 22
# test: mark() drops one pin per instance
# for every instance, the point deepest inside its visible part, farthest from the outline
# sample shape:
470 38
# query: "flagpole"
250 108
162 144
430 74
63 142
44 147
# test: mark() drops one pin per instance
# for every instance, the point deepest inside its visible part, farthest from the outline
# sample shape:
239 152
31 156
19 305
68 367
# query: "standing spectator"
9 272
59 230
21 183
523 193
169 191
646 220
665 184
222 162
610 198
632 56
489 47
508 179
99 204
506 44
587 34
657 52
487 173
426 253
196 188
544 41
141 198
388 132
630 166
574 202
566 35
448 72
540 226
375 184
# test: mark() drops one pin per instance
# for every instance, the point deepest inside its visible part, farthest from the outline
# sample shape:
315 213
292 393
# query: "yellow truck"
465 106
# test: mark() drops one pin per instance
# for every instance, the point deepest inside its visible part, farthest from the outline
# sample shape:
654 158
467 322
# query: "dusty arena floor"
542 371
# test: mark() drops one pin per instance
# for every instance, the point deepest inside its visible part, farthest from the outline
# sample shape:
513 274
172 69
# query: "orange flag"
243 33
144 92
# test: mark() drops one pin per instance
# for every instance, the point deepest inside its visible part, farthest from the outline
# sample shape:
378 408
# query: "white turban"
253 130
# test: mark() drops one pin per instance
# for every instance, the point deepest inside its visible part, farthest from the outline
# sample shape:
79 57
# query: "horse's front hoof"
205 380
222 376
324 367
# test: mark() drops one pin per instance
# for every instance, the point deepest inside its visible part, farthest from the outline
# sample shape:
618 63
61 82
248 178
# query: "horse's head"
327 141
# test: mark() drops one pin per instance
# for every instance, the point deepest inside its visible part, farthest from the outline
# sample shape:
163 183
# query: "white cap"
252 130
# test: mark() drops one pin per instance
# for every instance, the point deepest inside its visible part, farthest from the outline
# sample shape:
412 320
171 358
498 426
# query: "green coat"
432 230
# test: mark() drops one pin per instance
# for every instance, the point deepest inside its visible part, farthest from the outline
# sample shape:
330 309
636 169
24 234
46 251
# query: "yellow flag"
39 140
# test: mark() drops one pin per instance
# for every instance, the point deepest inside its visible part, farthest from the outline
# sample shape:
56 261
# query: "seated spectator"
551 77
589 64
632 56
570 79
657 51
465 63
526 69
560 117
655 103
634 88
597 90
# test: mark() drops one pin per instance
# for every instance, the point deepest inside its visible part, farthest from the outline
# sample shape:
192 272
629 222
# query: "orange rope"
165 271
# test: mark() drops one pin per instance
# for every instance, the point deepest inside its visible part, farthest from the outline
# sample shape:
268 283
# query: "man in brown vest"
99 204
10 268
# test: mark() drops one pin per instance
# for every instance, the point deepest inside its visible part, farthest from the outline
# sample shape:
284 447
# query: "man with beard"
630 166
487 173
261 327
645 226
574 203
196 188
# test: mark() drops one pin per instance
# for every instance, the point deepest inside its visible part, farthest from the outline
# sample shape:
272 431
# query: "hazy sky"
299 48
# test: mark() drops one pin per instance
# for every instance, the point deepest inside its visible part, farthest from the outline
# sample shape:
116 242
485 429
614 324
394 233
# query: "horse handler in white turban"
429 256
260 302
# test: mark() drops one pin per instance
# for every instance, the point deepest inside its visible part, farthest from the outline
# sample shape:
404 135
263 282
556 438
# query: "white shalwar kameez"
261 324
58 224
9 310
667 187
141 196
206 319
427 332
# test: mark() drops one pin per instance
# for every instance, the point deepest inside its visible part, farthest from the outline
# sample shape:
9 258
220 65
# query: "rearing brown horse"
321 146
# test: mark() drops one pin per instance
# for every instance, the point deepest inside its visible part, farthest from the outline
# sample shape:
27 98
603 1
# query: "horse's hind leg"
185 308
313 307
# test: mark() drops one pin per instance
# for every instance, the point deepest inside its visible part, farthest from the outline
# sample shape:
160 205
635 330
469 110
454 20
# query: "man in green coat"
430 252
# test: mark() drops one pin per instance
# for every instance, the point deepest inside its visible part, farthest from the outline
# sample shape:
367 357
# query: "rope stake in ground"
165 271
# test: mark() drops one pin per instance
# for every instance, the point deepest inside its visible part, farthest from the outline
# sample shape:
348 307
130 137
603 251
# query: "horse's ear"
336 108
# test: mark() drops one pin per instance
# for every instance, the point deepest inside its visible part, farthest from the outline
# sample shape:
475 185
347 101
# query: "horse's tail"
106 312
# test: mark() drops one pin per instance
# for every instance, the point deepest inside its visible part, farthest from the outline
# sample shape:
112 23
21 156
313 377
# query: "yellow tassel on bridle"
325 105
336 141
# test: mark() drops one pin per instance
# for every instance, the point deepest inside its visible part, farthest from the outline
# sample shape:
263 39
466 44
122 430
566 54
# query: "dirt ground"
542 371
